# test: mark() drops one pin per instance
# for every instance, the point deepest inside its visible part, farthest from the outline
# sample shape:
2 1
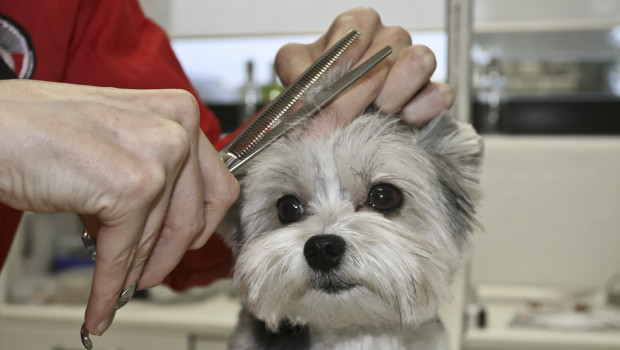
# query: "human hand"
134 160
399 84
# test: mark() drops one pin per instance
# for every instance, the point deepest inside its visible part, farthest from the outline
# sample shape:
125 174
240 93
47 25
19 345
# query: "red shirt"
104 43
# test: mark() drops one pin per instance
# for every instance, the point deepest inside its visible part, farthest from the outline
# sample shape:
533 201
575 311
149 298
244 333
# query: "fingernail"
103 325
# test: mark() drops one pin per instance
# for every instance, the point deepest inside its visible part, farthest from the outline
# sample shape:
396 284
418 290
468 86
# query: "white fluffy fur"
401 263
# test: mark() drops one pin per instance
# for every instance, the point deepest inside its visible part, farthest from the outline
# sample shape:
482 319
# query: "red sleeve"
9 218
114 44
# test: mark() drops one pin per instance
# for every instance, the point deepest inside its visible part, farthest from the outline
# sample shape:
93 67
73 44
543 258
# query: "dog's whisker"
420 255
400 310
426 250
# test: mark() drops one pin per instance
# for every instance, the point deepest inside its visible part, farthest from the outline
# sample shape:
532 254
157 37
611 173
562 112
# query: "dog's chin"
342 307
334 307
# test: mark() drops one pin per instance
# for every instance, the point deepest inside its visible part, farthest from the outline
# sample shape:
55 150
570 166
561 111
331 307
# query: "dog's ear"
457 151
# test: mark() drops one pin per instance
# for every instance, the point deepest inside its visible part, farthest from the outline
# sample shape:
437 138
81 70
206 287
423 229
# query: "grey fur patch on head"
458 152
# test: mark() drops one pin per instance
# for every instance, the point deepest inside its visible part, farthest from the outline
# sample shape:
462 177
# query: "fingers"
408 89
208 203
120 239
115 255
185 219
184 214
411 71
294 58
400 84
221 190
365 91
147 232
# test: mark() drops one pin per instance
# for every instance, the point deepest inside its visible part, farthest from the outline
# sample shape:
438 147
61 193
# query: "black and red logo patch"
16 52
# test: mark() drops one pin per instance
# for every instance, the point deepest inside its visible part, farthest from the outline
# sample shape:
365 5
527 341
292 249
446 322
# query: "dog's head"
356 225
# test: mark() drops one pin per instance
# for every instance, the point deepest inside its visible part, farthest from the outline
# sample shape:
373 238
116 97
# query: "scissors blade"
321 99
271 114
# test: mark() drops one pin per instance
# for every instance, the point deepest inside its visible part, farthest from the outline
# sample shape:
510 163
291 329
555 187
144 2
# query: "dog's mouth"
336 288
331 285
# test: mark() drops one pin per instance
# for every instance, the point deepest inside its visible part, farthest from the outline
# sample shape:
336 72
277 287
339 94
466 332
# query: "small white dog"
348 236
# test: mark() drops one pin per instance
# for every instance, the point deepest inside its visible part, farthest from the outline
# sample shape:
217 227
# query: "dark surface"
586 115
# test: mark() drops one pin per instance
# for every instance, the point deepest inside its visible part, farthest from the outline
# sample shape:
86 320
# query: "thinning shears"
273 121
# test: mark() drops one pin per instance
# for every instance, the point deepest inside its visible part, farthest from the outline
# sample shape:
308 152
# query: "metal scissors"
273 121
270 124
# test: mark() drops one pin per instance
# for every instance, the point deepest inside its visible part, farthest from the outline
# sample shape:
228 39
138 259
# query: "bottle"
249 96
272 89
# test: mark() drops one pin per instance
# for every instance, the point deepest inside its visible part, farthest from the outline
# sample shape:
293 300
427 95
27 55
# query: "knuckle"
445 95
398 34
285 53
192 226
180 105
366 13
189 110
196 225
177 145
358 18
141 256
104 298
144 181
422 57
284 57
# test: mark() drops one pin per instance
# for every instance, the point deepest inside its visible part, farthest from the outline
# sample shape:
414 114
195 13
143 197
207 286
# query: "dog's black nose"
324 252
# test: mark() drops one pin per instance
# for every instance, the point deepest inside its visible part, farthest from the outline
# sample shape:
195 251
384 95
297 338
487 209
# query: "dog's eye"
384 198
289 209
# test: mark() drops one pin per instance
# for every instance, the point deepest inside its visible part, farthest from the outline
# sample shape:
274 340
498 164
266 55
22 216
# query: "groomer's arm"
135 161
399 84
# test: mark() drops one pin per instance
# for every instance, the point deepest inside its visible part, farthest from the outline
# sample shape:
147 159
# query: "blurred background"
540 79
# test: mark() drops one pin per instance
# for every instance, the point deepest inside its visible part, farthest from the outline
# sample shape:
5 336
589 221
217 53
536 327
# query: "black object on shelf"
585 115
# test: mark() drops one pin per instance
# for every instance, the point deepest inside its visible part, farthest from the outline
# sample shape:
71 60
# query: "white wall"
551 213
191 18
200 18
545 14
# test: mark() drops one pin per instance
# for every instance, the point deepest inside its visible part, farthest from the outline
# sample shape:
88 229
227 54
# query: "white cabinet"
57 335
139 325
205 322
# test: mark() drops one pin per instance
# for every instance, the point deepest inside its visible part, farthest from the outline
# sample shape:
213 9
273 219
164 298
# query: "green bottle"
272 89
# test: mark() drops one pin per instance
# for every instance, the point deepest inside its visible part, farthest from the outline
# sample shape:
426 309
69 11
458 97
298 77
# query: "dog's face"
356 225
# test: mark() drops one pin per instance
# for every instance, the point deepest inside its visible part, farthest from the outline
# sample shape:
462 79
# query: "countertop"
502 303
